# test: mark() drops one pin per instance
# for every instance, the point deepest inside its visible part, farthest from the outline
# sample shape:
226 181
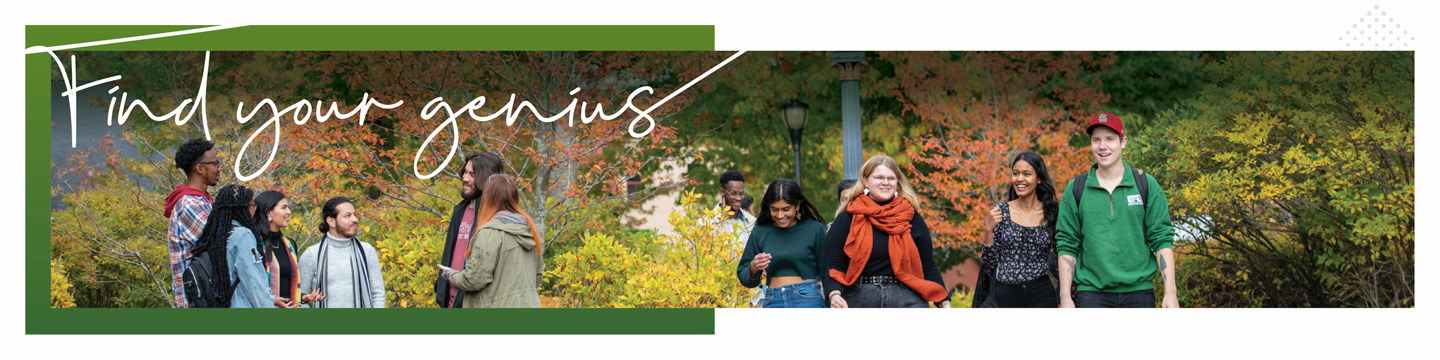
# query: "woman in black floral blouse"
1020 238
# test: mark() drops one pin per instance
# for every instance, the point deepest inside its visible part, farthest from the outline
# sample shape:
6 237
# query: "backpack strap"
1142 183
1077 187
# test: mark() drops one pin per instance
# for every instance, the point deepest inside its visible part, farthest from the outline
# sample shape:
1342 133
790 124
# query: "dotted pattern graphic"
1377 30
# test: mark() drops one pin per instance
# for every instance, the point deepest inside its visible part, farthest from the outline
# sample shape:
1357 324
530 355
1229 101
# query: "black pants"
1036 293
1133 299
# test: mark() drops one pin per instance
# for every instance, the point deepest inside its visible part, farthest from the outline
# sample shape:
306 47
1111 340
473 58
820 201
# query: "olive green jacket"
503 269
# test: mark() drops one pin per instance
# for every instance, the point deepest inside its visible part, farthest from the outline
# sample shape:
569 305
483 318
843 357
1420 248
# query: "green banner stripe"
52 35
394 38
37 184
373 321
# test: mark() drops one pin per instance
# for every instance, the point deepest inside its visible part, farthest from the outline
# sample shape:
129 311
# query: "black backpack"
201 287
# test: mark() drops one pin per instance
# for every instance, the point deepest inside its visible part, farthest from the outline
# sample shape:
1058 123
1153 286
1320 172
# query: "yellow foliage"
692 269
408 259
60 289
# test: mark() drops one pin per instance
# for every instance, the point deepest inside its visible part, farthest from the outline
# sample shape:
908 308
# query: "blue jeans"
804 294
863 295
1098 299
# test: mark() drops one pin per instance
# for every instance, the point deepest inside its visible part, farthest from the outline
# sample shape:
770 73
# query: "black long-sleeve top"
879 262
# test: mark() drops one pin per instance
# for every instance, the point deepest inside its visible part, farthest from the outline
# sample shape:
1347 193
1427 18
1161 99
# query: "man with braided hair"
341 266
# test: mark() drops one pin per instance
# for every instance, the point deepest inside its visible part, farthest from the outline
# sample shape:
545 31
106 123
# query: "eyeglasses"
735 193
216 163
883 178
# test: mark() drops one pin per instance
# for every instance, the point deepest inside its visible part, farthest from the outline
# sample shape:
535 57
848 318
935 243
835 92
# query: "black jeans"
1133 299
863 295
1036 293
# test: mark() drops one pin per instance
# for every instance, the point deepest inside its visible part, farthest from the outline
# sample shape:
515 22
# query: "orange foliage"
985 109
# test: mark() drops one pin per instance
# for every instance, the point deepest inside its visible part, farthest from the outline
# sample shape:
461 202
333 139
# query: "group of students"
1114 221
230 250
877 252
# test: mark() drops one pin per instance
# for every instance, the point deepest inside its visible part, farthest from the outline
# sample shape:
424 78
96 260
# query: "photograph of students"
1110 238
786 249
879 251
1019 246
343 268
503 267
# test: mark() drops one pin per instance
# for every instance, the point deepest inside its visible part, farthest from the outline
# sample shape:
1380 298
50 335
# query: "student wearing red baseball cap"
1114 232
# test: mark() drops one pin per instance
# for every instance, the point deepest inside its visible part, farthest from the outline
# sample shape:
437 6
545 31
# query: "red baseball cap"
1107 120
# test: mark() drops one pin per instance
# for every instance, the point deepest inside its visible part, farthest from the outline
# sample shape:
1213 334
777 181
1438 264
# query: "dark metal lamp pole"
794 113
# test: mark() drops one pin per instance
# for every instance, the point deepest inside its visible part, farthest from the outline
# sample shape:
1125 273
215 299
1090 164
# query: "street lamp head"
794 113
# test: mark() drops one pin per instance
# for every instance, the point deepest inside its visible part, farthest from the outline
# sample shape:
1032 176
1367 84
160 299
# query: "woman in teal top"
786 248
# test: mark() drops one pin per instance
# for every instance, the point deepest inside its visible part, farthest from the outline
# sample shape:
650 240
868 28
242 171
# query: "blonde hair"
905 190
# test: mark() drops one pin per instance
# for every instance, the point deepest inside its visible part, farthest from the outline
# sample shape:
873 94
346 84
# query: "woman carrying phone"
786 249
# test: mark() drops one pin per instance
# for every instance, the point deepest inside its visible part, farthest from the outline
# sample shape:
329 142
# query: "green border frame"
40 318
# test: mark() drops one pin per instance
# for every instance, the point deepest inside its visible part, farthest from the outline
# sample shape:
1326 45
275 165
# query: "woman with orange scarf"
878 252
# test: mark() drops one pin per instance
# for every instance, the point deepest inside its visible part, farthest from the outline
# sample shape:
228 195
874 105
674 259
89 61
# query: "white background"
830 334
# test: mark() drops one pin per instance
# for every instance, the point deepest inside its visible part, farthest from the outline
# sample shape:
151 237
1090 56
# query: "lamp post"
794 114
850 63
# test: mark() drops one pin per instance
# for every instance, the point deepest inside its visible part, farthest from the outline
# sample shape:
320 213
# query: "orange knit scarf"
894 219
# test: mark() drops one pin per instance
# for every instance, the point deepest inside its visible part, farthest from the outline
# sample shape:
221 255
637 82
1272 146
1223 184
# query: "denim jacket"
248 267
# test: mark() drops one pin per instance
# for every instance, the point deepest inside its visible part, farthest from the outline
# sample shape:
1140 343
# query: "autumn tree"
1295 173
986 107
564 167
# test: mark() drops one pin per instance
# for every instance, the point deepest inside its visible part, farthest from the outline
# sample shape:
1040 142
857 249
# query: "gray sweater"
339 281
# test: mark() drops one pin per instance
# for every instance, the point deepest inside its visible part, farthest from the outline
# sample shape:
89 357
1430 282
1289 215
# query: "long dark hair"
1045 192
788 190
265 202
232 202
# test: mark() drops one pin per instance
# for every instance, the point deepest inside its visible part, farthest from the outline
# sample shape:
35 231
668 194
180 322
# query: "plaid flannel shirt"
185 226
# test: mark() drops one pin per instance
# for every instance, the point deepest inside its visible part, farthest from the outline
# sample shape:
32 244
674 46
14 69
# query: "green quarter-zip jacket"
1106 233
